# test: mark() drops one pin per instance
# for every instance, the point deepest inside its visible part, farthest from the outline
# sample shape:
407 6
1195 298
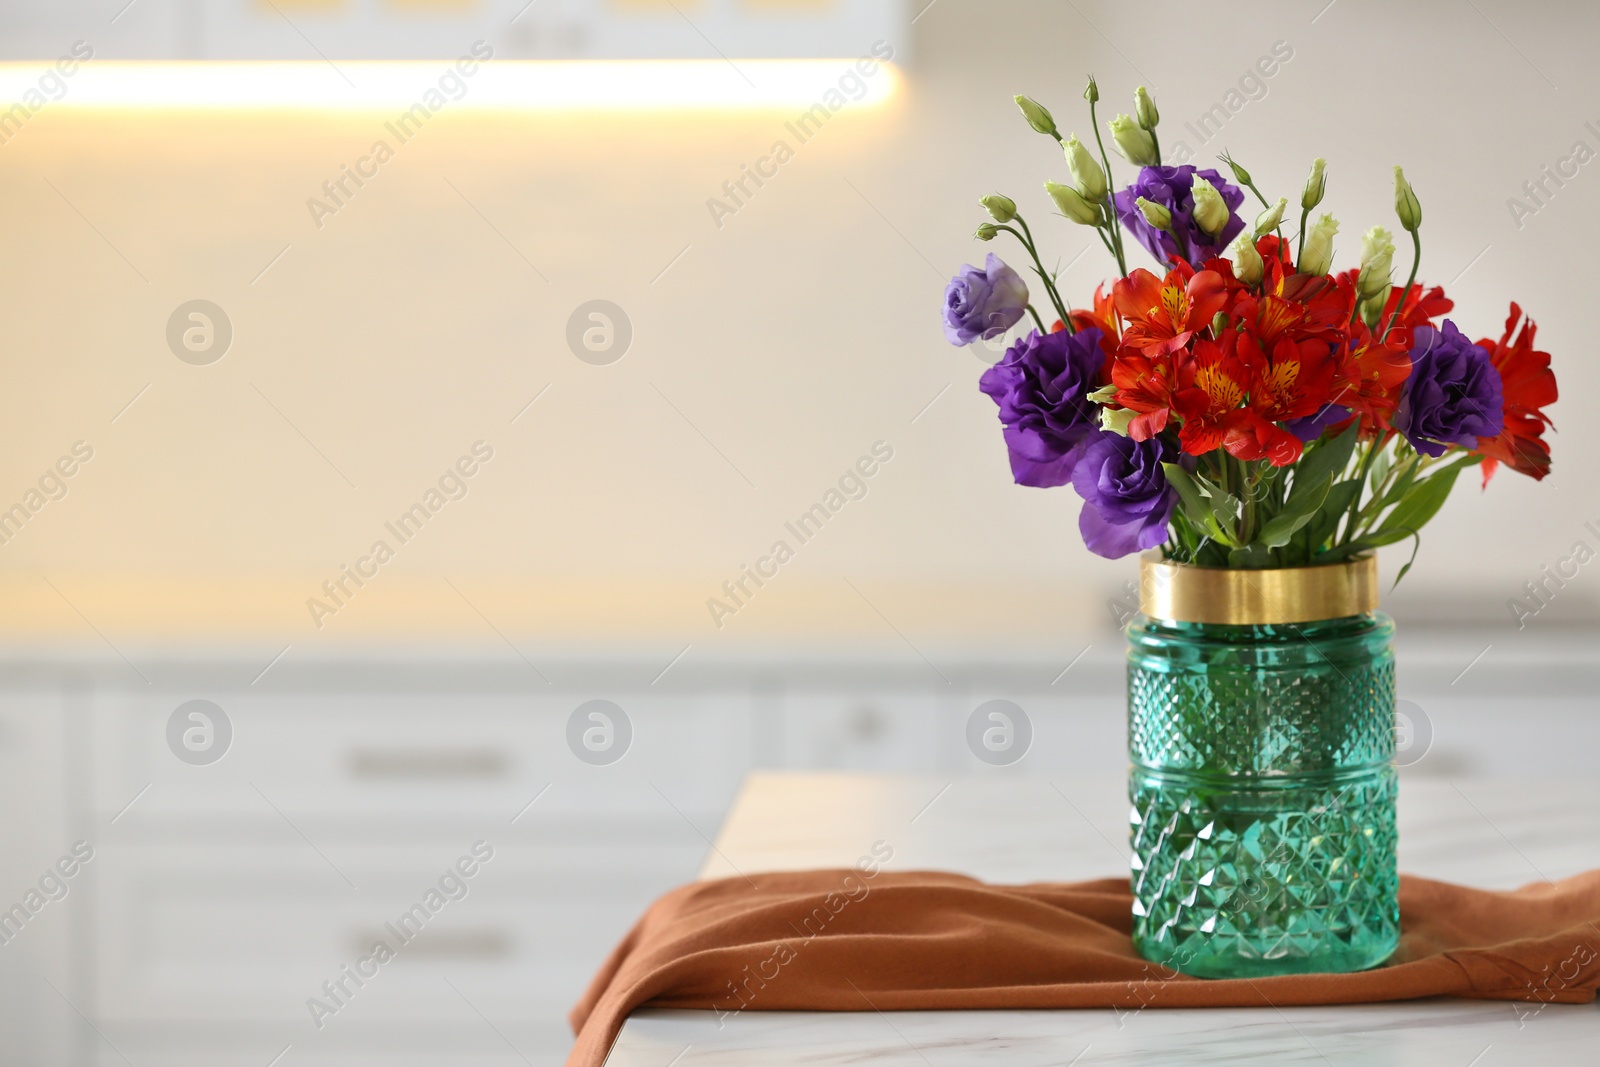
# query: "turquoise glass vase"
1263 795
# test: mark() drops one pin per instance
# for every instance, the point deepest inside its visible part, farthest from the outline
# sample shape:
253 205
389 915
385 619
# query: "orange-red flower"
1215 382
1369 375
1422 307
1164 314
1144 384
1292 382
1103 316
1253 437
1527 385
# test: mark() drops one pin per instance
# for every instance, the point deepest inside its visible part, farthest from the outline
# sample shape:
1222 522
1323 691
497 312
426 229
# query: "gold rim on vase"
1181 592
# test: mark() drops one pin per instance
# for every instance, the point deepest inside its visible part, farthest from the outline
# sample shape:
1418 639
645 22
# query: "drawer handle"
397 764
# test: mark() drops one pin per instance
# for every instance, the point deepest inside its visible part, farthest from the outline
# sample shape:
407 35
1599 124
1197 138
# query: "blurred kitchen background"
553 278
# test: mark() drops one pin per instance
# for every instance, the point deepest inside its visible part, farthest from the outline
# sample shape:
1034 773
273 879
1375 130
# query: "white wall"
792 338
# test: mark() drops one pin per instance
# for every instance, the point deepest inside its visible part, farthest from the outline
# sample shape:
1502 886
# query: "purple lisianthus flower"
1172 188
1127 501
1312 426
1041 386
1454 395
983 303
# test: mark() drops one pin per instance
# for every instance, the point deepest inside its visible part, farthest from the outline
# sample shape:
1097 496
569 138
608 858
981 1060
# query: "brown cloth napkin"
839 940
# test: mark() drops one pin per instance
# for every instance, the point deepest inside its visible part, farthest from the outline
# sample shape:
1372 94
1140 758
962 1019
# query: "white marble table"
1008 828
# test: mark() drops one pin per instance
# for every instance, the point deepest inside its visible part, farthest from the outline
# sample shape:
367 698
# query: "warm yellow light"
501 85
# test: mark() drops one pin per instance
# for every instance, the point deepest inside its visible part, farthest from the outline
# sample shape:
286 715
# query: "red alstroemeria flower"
1214 385
1103 316
1527 385
1163 314
1298 306
1290 384
1276 260
1144 384
1421 309
1253 437
1369 376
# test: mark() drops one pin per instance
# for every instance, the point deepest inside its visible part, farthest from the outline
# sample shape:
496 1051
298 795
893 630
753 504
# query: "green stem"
1037 321
1102 230
1111 203
1247 516
1363 470
1416 259
1300 247
1370 510
1025 236
1062 306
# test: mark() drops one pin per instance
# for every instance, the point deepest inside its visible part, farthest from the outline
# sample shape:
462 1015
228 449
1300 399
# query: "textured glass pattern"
1263 796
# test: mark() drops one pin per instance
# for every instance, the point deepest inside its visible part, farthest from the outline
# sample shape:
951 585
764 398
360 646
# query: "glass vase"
1263 793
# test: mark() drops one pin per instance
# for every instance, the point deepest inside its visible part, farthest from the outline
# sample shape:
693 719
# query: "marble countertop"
1008 828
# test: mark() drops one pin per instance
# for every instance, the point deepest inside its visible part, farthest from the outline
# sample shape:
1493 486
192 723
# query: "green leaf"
1254 555
1195 504
1223 504
1380 466
1414 550
1376 539
1297 511
1325 523
1324 462
1422 502
1408 469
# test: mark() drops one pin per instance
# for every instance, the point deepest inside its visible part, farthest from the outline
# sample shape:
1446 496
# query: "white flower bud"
1086 173
1155 214
1144 109
1210 212
1116 419
1038 115
1317 255
1377 263
1072 204
1406 204
1247 264
1316 184
1134 142
1271 218
1000 208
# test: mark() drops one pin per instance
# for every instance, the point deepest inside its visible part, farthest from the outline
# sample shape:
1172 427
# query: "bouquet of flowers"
1247 406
